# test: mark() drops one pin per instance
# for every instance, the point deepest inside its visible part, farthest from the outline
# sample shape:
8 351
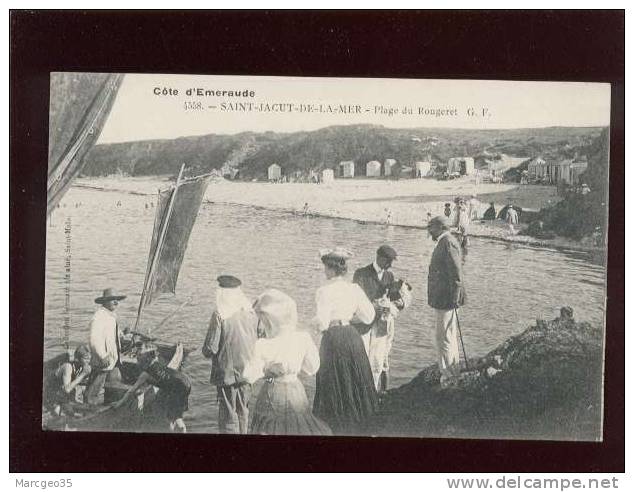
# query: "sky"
285 104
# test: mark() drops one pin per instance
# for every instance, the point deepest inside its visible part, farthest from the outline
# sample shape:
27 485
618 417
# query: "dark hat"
440 221
386 252
108 295
228 281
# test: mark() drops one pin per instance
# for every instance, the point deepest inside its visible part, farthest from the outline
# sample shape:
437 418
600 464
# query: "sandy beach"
400 203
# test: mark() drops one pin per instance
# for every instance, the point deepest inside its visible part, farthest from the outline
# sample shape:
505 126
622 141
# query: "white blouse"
292 352
340 300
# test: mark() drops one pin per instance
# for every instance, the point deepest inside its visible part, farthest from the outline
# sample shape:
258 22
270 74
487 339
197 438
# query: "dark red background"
517 45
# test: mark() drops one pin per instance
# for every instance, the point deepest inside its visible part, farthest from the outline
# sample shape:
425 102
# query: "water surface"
508 286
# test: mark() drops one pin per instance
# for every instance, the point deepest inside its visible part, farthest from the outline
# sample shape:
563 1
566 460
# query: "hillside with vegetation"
582 215
252 153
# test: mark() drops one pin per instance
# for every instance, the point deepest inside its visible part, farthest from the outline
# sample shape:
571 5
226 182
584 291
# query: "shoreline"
270 197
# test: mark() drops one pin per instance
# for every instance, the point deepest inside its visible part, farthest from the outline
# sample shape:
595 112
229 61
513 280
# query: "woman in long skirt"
282 407
345 394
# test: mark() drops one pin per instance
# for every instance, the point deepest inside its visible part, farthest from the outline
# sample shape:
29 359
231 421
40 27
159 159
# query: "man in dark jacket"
445 294
230 342
375 279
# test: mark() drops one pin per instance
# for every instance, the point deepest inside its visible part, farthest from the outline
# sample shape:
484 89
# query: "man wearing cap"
104 345
375 279
445 294
229 344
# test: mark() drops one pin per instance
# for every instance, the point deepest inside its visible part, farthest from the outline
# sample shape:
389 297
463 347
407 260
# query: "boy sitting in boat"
173 386
61 388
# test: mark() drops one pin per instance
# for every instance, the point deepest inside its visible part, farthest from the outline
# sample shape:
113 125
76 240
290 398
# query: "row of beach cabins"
389 168
537 170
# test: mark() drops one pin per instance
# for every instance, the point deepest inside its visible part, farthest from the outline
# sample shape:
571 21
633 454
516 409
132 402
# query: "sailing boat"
176 213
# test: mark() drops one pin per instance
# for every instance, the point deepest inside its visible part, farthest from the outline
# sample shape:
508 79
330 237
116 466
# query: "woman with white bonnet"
282 407
345 395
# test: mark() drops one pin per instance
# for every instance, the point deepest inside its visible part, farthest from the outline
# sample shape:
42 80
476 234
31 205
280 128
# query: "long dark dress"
174 388
345 395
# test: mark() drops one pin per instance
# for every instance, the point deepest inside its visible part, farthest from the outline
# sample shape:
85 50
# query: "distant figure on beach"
447 210
445 294
388 216
512 219
229 344
305 209
345 395
490 213
146 206
474 208
375 279
282 406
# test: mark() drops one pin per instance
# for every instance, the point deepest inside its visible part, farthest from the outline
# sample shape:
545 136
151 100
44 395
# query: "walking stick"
466 360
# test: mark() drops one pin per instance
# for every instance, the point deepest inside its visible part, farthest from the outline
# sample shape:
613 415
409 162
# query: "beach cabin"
387 166
577 168
346 169
327 176
463 165
274 172
373 169
422 169
537 169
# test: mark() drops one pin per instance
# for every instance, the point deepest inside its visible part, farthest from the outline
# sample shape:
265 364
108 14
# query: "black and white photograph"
320 256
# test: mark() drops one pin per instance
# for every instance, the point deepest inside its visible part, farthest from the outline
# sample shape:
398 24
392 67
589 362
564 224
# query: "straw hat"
108 295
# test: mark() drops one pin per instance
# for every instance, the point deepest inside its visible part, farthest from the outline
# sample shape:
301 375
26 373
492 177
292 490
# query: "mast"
149 277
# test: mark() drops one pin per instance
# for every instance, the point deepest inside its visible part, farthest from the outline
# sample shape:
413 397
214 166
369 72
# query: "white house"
275 172
327 176
346 169
462 165
423 168
373 168
387 166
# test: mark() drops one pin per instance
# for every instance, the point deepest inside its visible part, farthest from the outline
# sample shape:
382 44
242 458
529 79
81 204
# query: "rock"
545 382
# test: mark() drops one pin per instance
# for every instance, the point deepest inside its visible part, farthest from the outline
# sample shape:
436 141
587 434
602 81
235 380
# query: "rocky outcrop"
545 383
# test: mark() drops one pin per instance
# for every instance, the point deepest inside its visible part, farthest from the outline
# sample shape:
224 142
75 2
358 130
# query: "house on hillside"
422 169
228 172
373 169
463 165
327 176
274 172
387 166
346 169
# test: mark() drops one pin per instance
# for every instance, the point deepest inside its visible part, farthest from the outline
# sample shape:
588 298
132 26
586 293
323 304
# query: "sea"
101 239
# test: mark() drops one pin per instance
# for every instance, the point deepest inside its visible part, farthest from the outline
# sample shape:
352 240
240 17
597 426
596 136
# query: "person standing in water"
282 407
229 343
345 395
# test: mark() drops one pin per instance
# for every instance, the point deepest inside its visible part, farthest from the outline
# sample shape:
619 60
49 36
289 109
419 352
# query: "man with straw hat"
105 345
229 344
445 294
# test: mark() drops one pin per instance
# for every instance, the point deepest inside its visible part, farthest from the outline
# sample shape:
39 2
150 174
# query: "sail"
172 228
80 104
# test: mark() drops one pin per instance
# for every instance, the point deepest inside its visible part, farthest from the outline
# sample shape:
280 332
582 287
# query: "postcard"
326 256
